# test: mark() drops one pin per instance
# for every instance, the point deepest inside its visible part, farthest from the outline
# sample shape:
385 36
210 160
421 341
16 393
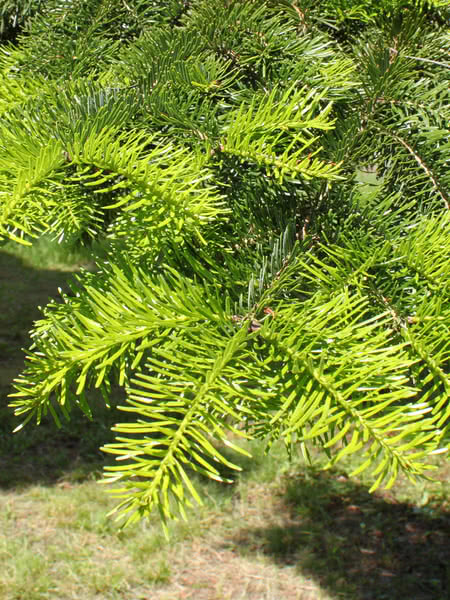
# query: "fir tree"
254 285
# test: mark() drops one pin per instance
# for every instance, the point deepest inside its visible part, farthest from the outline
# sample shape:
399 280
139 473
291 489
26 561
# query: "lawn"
283 531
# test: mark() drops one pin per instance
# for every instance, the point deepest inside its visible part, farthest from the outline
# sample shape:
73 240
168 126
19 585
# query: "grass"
282 531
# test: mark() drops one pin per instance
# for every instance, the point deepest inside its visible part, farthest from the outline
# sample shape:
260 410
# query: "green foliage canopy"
256 285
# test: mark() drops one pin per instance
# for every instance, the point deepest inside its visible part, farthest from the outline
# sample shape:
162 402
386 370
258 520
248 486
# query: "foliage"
255 286
14 16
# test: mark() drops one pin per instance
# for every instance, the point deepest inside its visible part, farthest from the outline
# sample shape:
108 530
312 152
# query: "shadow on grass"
358 545
43 454
46 454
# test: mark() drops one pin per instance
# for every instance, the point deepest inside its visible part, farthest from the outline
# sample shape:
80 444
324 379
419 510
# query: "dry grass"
299 535
216 566
56 542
